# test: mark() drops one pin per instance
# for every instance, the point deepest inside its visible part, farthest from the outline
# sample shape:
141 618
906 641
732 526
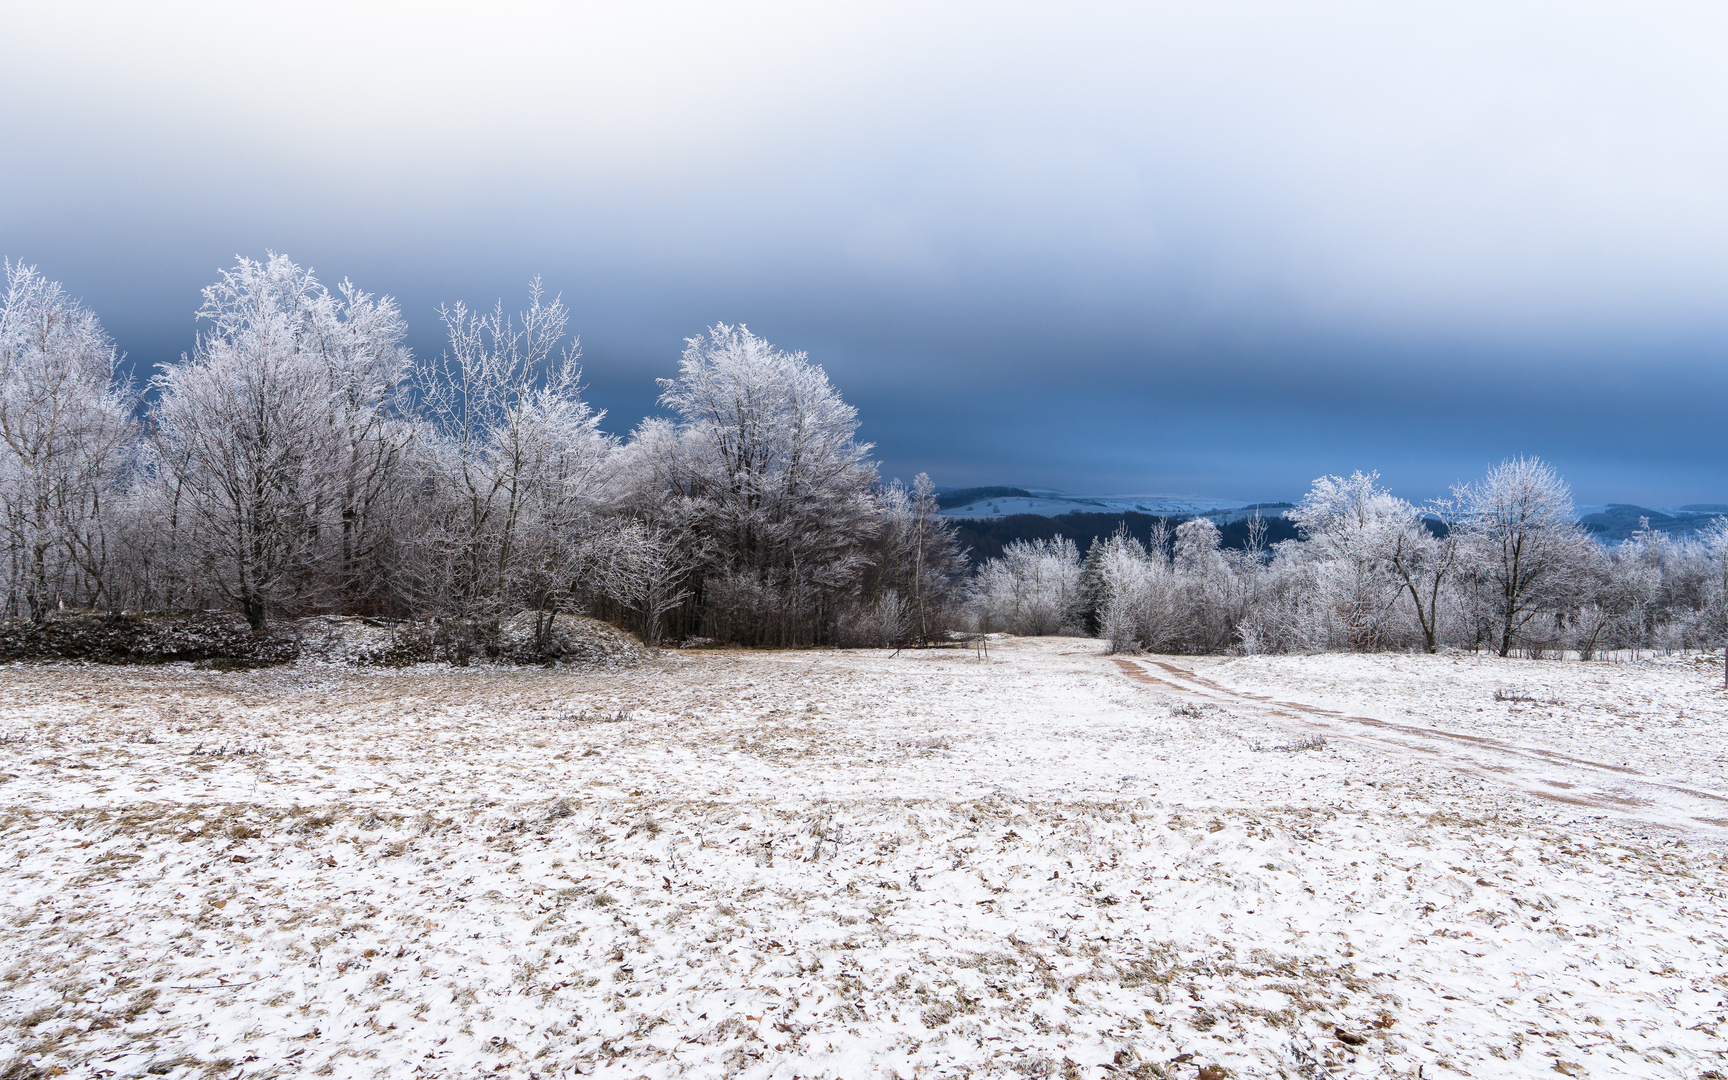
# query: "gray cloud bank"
1208 249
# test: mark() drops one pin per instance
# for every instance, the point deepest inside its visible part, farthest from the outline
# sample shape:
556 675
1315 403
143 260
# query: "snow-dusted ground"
1049 862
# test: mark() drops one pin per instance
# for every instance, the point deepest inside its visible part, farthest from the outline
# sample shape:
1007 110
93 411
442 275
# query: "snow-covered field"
847 864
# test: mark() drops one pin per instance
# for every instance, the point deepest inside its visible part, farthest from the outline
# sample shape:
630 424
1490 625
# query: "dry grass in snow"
1050 862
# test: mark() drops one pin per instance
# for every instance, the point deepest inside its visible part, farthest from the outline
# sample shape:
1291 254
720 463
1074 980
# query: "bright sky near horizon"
1207 249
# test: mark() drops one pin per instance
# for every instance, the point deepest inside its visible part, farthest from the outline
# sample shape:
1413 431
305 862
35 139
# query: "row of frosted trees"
300 460
1501 566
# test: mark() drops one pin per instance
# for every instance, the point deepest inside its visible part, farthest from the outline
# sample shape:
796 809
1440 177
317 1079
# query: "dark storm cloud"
1210 250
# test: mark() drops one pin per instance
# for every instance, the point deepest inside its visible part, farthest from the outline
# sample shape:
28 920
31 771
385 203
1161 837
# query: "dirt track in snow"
1617 789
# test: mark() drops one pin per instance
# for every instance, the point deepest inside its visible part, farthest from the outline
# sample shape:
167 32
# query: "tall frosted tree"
1519 521
65 421
522 462
916 560
771 476
274 440
1714 540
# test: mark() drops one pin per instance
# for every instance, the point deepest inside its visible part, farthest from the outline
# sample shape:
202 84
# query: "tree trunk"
252 606
36 586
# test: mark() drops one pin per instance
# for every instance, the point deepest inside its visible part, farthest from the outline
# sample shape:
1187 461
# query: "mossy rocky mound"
128 637
220 639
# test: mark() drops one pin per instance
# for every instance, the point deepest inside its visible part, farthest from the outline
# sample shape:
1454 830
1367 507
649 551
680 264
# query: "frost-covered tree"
1136 595
1714 541
915 564
520 462
1663 590
1353 527
1374 555
367 437
645 569
765 471
1426 561
1524 539
1034 588
65 420
1207 586
273 442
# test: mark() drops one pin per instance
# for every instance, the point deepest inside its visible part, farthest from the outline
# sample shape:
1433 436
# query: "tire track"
1617 790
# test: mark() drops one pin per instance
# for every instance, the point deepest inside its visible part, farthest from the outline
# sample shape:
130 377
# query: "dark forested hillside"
986 537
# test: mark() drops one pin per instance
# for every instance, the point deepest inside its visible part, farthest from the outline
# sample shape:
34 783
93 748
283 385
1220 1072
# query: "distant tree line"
988 538
1502 565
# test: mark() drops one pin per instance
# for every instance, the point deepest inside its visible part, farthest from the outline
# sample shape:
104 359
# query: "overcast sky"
1206 249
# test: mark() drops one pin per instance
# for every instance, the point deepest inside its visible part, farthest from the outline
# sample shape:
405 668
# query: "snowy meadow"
1046 861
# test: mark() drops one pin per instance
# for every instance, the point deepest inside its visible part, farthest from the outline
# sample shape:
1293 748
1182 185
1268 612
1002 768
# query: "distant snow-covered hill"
996 502
1611 523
